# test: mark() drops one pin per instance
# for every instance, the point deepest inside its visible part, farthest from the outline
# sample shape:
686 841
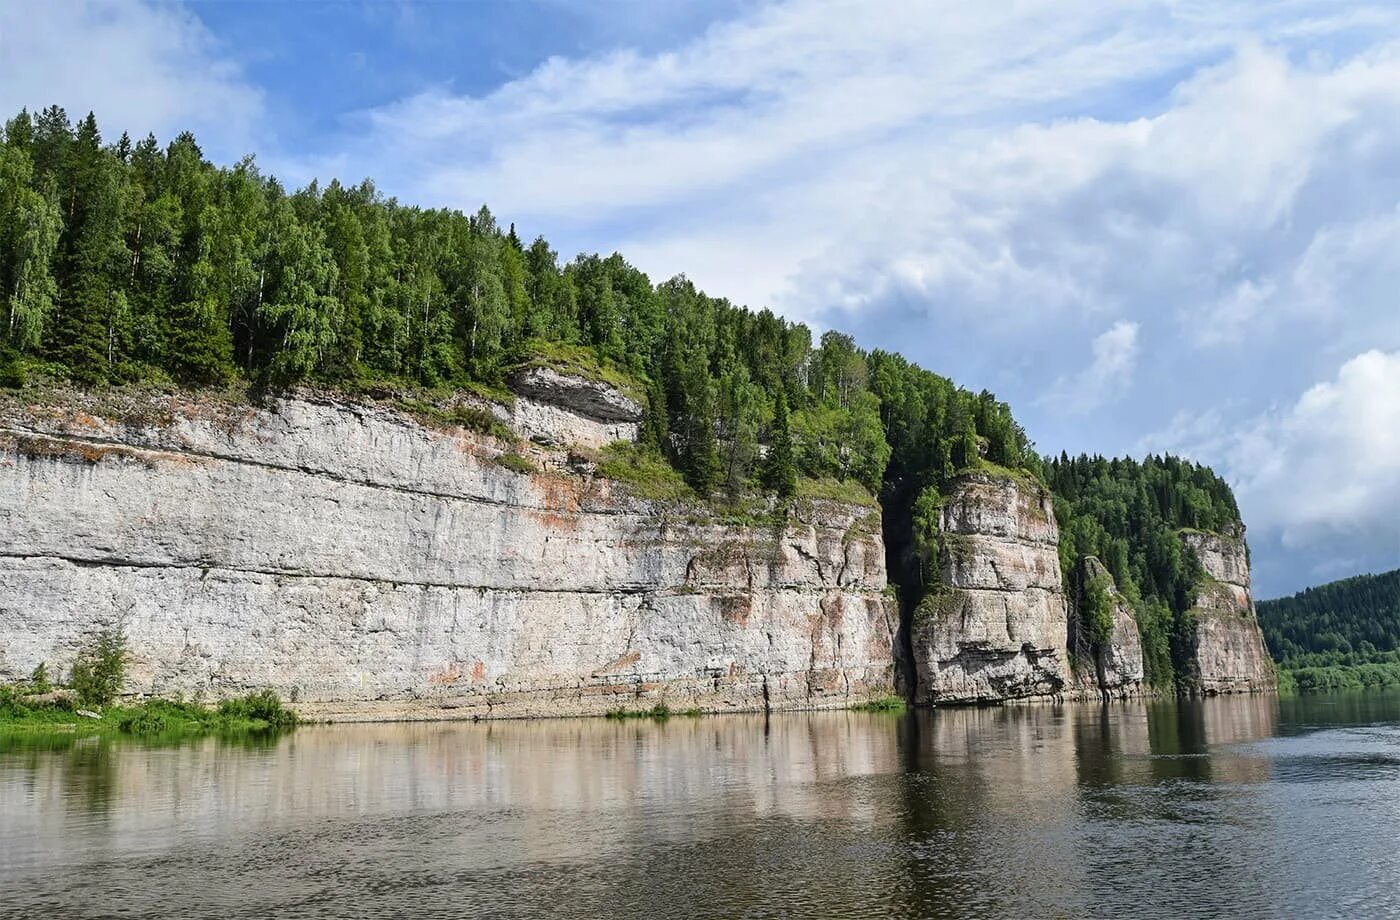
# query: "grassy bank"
895 704
28 713
658 713
1339 677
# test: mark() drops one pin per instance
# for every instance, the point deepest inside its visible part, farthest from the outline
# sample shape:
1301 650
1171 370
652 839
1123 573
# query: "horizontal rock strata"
1228 653
998 630
364 565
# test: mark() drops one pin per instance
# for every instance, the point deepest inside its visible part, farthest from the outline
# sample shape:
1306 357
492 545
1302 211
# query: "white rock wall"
366 566
1229 654
999 631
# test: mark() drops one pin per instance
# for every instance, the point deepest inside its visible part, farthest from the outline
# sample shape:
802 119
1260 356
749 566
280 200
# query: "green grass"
469 417
517 463
255 712
846 491
580 361
889 703
1022 477
644 473
658 713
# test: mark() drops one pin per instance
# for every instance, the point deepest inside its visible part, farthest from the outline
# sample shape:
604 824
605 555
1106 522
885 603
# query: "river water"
1239 807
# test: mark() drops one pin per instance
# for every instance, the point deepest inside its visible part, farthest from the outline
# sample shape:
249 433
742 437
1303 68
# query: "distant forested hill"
1344 633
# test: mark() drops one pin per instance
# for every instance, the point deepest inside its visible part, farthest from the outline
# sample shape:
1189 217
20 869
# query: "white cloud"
1105 379
936 153
1329 465
138 66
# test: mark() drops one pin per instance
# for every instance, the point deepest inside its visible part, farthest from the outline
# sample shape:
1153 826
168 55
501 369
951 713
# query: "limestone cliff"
1111 666
1227 647
363 564
997 628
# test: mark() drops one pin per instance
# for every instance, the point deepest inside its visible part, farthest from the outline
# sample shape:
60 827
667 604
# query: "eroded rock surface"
557 408
998 630
365 566
1228 647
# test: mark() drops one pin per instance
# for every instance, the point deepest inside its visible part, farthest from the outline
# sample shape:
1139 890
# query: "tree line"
129 262
1348 622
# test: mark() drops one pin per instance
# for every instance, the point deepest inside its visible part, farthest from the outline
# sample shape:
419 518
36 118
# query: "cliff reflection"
1015 811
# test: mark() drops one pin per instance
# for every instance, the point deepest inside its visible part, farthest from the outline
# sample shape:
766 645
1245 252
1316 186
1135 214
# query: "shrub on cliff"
100 668
1098 607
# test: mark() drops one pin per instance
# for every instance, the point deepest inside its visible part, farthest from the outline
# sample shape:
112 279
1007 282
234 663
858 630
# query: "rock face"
998 630
561 409
365 566
1228 653
1113 667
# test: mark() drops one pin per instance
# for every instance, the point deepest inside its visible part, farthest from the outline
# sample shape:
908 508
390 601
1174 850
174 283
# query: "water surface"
1248 807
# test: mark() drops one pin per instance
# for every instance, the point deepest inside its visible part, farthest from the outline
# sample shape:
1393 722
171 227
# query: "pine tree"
779 467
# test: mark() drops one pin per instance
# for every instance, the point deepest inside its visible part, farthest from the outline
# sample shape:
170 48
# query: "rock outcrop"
364 565
997 630
1111 666
1227 646
560 409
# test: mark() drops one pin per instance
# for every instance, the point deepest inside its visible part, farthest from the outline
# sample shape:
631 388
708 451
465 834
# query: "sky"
1157 226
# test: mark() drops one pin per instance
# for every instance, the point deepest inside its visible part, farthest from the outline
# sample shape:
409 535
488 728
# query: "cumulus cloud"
1317 479
1105 378
1328 465
139 66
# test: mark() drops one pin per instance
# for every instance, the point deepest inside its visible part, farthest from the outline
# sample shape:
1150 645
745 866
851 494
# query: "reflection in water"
1251 807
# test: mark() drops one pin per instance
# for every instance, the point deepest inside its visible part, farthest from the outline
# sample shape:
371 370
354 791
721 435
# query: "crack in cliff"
205 569
802 551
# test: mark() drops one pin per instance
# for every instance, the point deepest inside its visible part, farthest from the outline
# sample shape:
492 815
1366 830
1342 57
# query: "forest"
1129 514
1341 635
129 262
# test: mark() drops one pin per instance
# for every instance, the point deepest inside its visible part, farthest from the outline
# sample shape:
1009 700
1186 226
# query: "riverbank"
60 713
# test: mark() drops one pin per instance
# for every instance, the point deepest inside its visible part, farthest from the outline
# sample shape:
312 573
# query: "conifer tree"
779 466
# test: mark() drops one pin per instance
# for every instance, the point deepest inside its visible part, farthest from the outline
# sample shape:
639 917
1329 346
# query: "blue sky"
1168 225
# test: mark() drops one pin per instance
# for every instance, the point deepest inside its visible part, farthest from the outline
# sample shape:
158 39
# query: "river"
1240 807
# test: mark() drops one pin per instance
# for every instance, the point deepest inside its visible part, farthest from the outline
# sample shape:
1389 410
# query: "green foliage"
256 712
100 668
460 416
1098 604
835 490
1352 621
517 463
927 515
262 706
1129 515
1375 675
894 704
780 465
644 473
579 361
39 680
